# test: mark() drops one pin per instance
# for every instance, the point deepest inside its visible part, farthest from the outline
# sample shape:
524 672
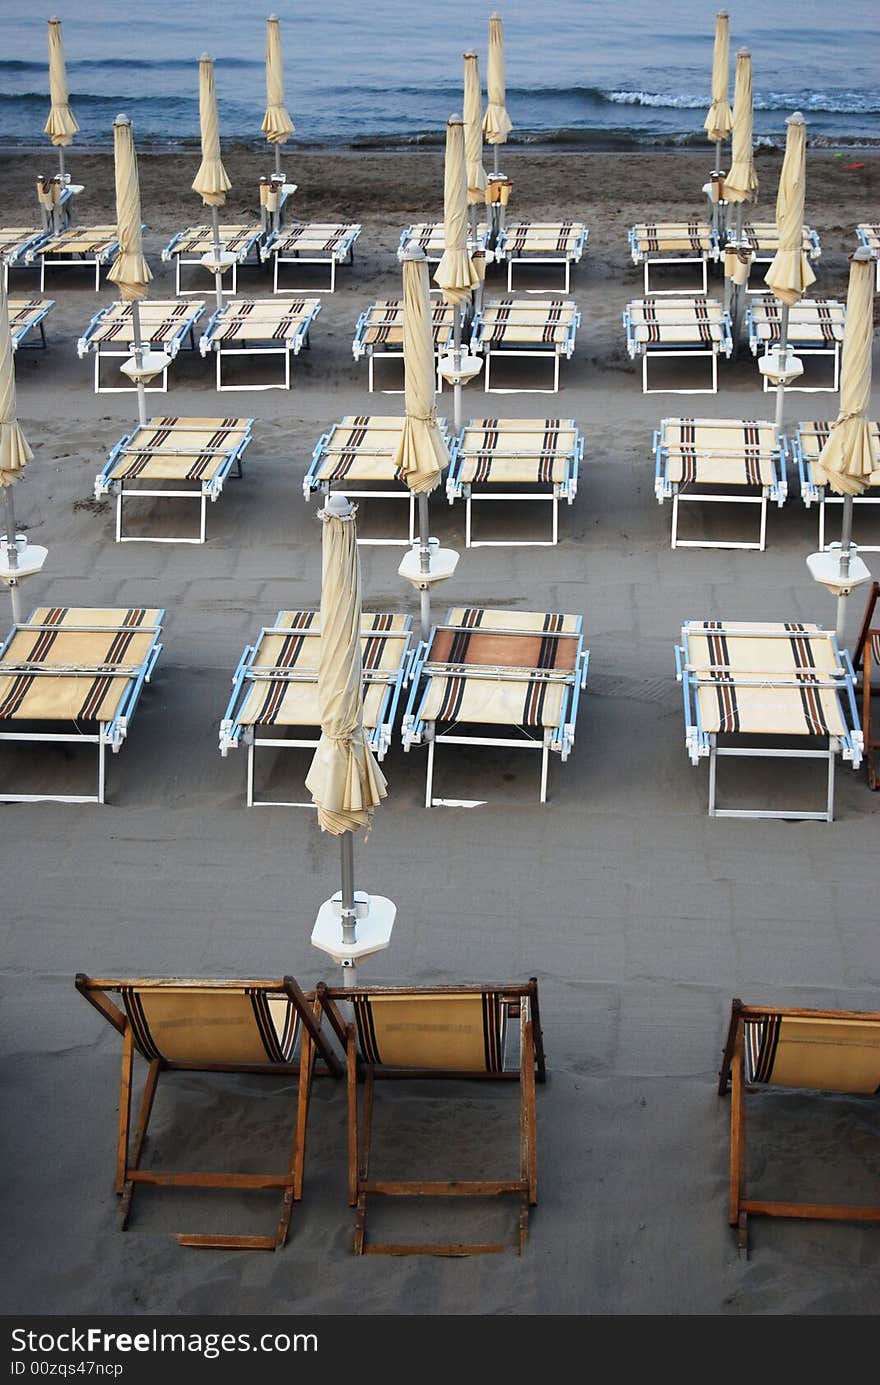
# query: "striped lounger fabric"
673 242
77 245
201 451
810 437
526 327
716 460
430 236
762 238
521 669
275 686
15 241
358 454
188 247
260 326
774 680
165 324
494 455
815 328
27 316
548 242
80 665
329 243
868 233
379 333
692 325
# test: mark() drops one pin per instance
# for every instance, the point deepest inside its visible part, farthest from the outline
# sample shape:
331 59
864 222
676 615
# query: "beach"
639 915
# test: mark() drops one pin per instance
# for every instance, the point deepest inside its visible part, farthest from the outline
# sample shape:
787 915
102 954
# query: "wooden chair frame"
733 1072
862 656
360 1117
129 1148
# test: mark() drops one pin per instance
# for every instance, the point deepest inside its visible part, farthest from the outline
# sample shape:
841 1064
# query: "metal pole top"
205 58
862 256
413 251
743 53
796 118
272 19
455 120
121 119
469 54
338 505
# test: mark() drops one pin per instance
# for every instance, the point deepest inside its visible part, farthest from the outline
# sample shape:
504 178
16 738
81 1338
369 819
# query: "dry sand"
639 915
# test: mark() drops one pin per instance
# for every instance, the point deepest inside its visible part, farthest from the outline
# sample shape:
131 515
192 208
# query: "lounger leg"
429 777
555 504
203 519
467 522
370 372
488 367
124 1109
102 763
831 758
530 1155
98 371
287 370
737 1132
144 1113
647 283
822 524
97 274
333 274
177 279
713 769
645 373
119 514
250 775
714 372
363 1157
219 357
352 1093
556 373
545 761
762 543
510 276
675 519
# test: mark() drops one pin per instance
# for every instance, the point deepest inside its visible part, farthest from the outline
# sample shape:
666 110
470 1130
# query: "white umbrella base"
779 371
372 928
152 363
31 558
442 563
824 568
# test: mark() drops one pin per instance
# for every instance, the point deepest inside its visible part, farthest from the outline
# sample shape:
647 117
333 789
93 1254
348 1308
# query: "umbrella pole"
139 359
456 360
424 564
11 552
349 934
277 160
61 162
783 356
495 159
218 277
845 552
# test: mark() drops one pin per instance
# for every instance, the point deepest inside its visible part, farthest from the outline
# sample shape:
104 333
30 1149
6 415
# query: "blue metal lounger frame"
291 345
552 492
87 343
74 258
677 349
20 334
109 733
814 494
233 732
559 738
17 258
701 744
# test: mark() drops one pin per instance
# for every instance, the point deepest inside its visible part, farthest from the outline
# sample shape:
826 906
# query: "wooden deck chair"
212 1026
437 1032
867 654
817 1050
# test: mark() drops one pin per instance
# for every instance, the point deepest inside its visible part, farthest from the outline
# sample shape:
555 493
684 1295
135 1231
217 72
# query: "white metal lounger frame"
811 493
251 247
559 738
556 349
202 491
647 258
678 350
87 343
37 323
74 259
556 491
361 347
109 733
869 235
762 346
16 257
700 743
356 489
680 492
813 248
434 256
343 254
573 256
233 732
289 346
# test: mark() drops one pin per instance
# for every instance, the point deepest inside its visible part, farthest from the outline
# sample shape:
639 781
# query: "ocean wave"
829 103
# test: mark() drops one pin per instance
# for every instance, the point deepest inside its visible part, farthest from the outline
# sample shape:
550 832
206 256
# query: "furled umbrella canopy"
719 121
741 183
60 126
211 181
130 271
848 462
497 124
455 274
277 125
421 454
14 450
344 779
473 130
790 274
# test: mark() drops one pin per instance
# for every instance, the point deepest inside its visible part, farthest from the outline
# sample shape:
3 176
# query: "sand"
639 915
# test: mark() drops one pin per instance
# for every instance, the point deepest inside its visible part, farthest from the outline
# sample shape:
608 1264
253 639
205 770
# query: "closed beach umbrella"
277 125
719 120
344 779
790 274
211 181
14 450
455 274
741 183
421 453
496 122
130 271
60 126
848 459
473 131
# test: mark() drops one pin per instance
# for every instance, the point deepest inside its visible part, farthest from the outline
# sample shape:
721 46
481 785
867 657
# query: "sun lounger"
430 236
197 452
767 683
691 327
440 1032
731 461
274 698
653 243
260 327
357 455
77 246
494 458
805 446
166 325
261 1028
829 1051
81 667
520 327
15 242
326 243
487 669
378 335
26 317
542 242
866 657
188 247
815 328
762 238
868 234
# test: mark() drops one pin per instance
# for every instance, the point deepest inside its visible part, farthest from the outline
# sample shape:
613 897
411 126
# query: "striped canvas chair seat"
544 238
524 322
162 321
180 449
672 238
316 238
813 434
811 320
734 452
263 319
518 451
692 321
384 323
81 240
237 239
14 238
362 447
762 238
